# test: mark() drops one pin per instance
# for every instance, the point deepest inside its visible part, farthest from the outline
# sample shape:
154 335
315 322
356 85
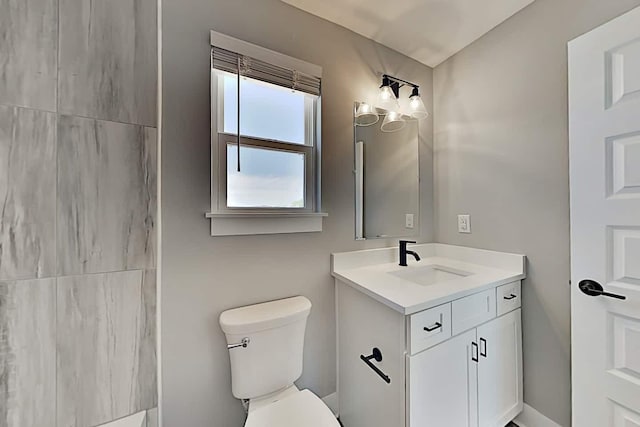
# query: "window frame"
264 220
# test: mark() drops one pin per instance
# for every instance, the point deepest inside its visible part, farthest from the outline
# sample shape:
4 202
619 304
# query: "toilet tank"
272 359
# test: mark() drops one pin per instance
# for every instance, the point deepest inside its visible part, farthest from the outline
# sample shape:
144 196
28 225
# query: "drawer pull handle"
510 297
474 352
377 356
438 325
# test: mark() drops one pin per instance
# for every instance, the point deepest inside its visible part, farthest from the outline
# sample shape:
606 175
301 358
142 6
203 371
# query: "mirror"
387 180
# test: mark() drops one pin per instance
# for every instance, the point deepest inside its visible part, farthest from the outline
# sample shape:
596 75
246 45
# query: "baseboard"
331 401
529 417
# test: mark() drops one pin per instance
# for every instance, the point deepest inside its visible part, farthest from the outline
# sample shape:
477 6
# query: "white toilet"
266 343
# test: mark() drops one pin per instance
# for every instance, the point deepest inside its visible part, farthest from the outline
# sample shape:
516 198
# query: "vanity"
436 343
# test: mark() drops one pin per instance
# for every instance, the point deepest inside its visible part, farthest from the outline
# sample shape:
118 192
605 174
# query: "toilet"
266 343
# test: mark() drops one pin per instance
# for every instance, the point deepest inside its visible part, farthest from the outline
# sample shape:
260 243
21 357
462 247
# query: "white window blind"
232 62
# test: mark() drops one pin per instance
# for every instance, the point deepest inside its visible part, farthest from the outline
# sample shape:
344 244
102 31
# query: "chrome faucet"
404 252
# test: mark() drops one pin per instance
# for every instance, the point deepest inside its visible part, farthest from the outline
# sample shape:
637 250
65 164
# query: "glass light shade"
387 100
417 110
365 115
392 122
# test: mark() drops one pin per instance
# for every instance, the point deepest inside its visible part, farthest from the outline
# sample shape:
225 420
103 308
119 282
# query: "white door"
500 370
443 384
604 110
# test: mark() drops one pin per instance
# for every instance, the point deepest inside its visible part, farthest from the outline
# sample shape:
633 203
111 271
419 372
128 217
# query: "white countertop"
369 272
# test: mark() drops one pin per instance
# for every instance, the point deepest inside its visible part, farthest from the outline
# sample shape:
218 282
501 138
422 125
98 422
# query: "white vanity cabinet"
500 370
442 384
457 364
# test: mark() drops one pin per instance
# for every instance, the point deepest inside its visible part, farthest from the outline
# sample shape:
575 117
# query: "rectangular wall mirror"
387 180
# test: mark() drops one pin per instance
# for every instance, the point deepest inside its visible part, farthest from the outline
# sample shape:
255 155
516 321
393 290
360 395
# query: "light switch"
464 224
409 221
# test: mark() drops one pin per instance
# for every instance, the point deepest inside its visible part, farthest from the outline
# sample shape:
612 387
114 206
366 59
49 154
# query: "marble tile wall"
29 53
107 196
77 212
27 352
107 377
27 193
108 60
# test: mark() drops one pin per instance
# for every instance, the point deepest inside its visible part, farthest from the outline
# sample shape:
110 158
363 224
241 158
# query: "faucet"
404 252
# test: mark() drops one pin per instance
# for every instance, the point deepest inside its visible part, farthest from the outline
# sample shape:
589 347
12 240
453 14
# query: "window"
265 175
268 111
277 145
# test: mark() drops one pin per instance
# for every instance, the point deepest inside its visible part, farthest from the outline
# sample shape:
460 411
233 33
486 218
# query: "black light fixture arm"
395 83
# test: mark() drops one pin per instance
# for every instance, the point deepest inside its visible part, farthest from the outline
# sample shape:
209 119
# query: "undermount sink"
429 274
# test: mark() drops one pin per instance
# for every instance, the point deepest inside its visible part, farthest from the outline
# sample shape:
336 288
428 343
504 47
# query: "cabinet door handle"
483 344
474 350
438 325
510 297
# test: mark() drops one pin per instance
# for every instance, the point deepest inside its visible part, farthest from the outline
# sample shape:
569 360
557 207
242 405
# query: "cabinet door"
443 384
500 370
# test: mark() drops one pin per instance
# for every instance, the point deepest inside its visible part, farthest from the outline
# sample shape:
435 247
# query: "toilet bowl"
266 344
296 408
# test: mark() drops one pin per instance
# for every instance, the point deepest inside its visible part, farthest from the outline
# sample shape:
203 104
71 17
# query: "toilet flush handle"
244 344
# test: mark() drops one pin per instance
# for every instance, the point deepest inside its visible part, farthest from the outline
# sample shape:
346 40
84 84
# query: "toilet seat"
298 409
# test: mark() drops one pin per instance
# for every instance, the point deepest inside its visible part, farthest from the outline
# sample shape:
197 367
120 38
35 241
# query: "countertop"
369 272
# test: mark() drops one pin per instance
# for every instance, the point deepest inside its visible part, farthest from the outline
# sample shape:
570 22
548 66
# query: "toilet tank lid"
268 315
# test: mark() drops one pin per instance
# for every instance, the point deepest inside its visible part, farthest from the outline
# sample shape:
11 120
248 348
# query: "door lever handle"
595 289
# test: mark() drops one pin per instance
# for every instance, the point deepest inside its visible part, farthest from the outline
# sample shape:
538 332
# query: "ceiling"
429 31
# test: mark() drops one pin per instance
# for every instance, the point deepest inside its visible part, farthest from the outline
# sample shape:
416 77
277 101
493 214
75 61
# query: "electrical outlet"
408 221
464 223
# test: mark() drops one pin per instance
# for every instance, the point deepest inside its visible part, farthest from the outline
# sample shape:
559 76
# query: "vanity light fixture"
388 105
393 122
390 92
366 115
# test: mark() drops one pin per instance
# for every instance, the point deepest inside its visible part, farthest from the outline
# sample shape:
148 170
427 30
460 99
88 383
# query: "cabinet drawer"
509 297
473 310
430 327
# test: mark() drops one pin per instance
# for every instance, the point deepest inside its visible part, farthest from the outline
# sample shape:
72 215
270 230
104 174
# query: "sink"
429 274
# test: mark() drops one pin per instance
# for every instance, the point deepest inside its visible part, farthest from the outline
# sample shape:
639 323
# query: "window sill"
243 224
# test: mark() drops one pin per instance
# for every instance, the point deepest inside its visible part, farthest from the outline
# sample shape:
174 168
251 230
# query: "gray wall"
78 208
502 156
203 275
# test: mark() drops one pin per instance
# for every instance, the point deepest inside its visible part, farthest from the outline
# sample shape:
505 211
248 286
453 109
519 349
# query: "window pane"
267 111
268 178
